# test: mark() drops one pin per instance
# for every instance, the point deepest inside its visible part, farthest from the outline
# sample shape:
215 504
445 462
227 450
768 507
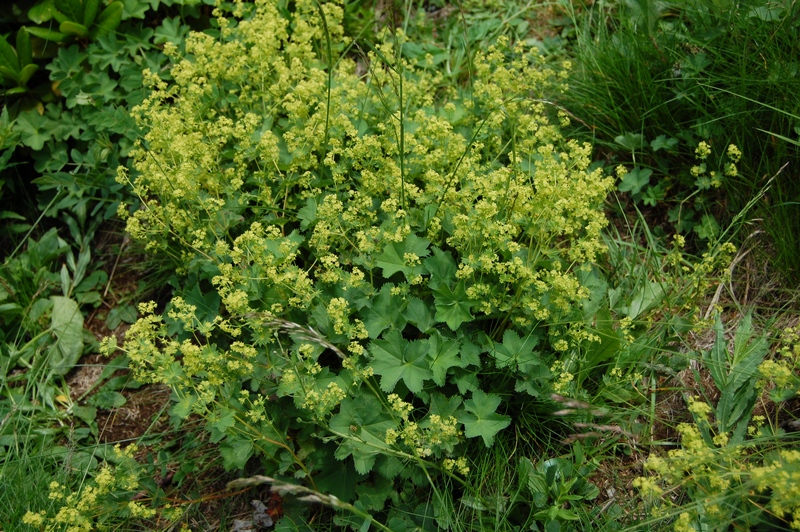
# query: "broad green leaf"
308 214
27 73
174 30
482 418
236 453
442 268
24 54
68 62
635 180
117 315
534 381
444 406
386 311
42 11
67 326
108 20
708 227
362 423
34 129
8 60
444 354
452 307
748 353
716 359
9 74
607 347
134 9
87 414
107 399
466 380
395 358
90 8
220 423
419 314
336 478
47 34
183 408
734 375
73 9
73 28
662 142
647 298
516 352
630 141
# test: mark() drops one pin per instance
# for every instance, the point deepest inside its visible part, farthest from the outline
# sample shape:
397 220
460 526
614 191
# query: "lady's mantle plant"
381 266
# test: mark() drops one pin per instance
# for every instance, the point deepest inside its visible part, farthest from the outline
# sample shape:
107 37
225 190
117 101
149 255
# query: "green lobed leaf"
134 9
444 354
107 400
174 30
630 141
386 311
482 418
392 258
395 358
452 307
362 423
220 422
236 452
516 352
419 314
662 142
635 180
117 315
34 129
441 267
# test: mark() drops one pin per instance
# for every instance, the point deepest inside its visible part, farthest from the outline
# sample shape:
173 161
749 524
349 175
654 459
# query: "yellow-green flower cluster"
209 165
430 437
782 371
781 479
718 477
96 501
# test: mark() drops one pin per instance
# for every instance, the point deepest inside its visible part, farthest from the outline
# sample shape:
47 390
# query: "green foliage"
690 72
82 19
372 248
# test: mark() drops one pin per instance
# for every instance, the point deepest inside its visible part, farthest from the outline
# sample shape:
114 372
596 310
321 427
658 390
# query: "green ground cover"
399 265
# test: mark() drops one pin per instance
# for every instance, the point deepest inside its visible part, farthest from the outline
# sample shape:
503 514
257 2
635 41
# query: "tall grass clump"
655 79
